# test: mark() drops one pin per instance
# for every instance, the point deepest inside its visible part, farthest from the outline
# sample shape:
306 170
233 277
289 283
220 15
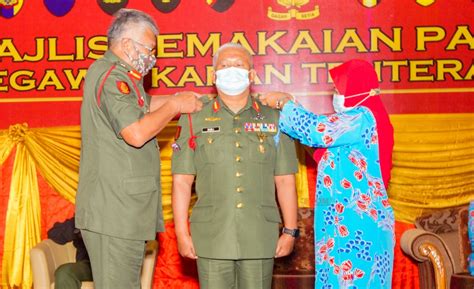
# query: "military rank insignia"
123 87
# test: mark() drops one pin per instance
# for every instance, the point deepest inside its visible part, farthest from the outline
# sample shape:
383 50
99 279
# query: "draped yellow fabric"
433 167
23 215
433 163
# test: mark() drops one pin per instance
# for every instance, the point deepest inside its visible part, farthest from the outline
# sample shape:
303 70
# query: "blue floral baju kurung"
354 222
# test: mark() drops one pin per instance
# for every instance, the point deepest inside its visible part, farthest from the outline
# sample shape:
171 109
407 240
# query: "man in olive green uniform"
118 203
234 150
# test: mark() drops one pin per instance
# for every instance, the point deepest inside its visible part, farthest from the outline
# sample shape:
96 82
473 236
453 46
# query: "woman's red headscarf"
358 76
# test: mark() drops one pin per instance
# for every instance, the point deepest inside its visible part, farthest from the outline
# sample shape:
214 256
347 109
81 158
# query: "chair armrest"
41 267
425 246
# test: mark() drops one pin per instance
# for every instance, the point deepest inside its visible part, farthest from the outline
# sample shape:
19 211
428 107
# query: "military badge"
165 6
112 6
123 87
212 118
59 8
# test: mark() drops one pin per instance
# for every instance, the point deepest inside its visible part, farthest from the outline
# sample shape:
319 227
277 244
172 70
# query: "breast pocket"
210 148
202 214
261 148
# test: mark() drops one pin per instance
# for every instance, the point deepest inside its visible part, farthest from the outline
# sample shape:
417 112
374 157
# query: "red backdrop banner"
422 50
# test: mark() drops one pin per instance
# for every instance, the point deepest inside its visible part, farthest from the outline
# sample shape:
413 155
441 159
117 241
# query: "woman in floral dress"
354 222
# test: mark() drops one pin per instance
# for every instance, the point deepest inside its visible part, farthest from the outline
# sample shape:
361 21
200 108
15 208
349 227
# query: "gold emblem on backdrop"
294 11
369 3
425 2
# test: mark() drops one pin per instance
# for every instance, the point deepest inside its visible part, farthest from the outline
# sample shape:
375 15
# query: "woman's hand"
275 99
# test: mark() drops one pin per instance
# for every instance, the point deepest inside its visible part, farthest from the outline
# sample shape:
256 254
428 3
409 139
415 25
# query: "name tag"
211 129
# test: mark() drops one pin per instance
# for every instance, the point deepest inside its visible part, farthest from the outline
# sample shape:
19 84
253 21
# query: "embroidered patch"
260 127
123 87
212 118
211 129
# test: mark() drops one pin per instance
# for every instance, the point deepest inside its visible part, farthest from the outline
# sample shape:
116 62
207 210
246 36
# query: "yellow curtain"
433 167
55 153
433 163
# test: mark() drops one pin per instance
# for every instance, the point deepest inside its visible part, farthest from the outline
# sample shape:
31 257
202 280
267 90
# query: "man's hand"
186 247
275 99
284 246
187 101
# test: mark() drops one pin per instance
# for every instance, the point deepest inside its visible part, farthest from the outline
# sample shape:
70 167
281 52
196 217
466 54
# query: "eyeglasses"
151 51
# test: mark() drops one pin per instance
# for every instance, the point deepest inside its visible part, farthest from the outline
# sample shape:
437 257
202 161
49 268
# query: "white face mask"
339 99
232 80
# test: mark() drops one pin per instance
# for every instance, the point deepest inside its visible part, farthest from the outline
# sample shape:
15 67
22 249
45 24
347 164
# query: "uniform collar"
112 57
252 103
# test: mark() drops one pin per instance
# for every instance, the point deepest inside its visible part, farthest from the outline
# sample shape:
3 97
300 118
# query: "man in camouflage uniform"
234 150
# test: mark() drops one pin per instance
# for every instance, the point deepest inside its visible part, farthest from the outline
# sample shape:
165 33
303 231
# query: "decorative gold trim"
432 253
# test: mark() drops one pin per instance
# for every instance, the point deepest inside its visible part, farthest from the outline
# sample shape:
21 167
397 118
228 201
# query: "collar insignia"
135 74
216 106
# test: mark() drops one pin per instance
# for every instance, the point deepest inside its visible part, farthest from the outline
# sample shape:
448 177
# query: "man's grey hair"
231 45
126 20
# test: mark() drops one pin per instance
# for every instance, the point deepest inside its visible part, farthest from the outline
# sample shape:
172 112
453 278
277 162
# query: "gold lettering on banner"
293 12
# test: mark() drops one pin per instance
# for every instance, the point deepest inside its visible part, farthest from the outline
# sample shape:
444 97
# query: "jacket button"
237 144
238 174
238 159
239 190
237 130
240 205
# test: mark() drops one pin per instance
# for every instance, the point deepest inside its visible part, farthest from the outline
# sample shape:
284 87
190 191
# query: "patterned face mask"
338 100
144 62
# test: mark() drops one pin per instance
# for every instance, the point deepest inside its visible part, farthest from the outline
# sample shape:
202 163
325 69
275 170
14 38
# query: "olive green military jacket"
119 190
235 160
